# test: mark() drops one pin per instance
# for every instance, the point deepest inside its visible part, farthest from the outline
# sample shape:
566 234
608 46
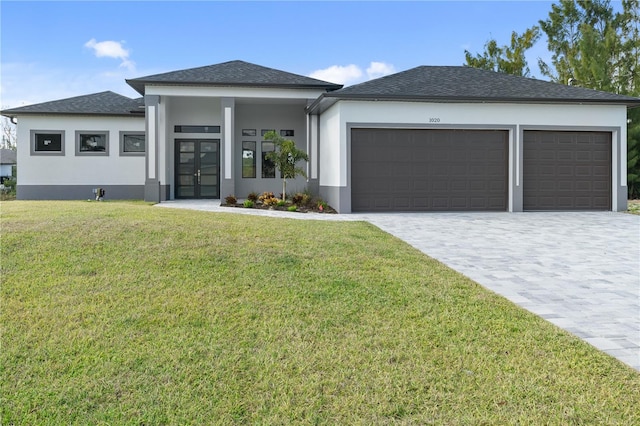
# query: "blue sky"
53 50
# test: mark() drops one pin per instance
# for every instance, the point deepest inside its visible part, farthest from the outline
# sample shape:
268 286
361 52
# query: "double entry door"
197 168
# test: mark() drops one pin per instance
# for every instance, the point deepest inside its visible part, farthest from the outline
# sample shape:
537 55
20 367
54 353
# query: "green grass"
124 313
633 207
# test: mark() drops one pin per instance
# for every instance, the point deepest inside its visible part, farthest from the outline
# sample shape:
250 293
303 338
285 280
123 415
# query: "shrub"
252 197
230 200
306 199
322 205
292 208
297 198
270 201
266 196
248 204
281 203
9 190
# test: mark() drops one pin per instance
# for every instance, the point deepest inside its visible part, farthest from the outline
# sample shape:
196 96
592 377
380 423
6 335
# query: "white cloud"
379 69
352 74
111 49
338 74
30 83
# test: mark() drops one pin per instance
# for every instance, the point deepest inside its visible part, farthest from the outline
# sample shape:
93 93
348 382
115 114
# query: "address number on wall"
434 119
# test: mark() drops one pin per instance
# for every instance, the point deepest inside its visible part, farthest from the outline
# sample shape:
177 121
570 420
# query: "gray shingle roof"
233 73
7 156
460 83
103 103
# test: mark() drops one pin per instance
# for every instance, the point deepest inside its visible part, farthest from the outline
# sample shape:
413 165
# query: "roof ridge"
232 73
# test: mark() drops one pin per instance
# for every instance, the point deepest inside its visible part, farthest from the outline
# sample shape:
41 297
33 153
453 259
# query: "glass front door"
197 168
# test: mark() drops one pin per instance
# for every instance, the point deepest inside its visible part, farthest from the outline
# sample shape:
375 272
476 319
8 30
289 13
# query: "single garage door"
566 170
428 170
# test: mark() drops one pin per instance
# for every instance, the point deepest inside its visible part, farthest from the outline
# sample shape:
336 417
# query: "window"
196 129
47 142
265 131
268 168
132 143
287 133
92 143
248 159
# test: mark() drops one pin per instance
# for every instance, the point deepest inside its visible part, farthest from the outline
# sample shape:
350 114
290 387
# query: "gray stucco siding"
78 192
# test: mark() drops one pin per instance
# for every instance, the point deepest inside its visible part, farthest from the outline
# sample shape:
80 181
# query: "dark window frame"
195 128
34 145
96 153
255 164
264 166
123 152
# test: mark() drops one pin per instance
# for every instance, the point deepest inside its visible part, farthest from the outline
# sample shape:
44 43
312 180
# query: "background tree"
584 39
599 49
592 46
507 59
285 157
8 138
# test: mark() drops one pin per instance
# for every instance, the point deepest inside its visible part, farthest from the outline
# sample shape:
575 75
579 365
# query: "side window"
92 143
268 168
248 159
47 142
132 143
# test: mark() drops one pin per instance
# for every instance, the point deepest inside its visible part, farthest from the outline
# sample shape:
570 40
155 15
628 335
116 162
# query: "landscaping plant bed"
298 203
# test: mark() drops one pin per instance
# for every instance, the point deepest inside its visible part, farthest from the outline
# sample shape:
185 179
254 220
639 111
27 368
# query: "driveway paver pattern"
580 271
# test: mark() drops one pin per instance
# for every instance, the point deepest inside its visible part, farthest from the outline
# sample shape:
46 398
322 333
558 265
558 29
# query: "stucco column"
312 152
227 153
516 161
152 181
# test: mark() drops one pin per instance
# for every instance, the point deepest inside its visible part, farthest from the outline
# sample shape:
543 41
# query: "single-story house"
432 138
7 163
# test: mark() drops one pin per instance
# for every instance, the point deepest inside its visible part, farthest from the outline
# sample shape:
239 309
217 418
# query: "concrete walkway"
580 271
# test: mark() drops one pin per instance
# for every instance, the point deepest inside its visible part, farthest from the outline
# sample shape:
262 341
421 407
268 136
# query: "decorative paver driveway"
580 271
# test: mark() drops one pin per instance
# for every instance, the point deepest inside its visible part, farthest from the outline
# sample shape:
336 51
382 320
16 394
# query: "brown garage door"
566 170
428 170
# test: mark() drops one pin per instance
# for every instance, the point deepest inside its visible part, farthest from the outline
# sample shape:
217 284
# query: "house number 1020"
434 120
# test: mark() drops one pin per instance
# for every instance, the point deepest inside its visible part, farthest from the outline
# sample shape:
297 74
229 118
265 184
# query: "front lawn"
123 313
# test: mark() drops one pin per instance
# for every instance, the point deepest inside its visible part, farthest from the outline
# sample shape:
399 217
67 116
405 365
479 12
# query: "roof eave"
140 85
10 114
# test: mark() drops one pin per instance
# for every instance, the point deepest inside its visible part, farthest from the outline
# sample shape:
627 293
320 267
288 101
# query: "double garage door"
467 170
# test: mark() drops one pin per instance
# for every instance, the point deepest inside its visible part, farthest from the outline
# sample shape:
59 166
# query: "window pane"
187 146
48 142
93 142
196 129
248 159
208 146
133 143
268 168
185 191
